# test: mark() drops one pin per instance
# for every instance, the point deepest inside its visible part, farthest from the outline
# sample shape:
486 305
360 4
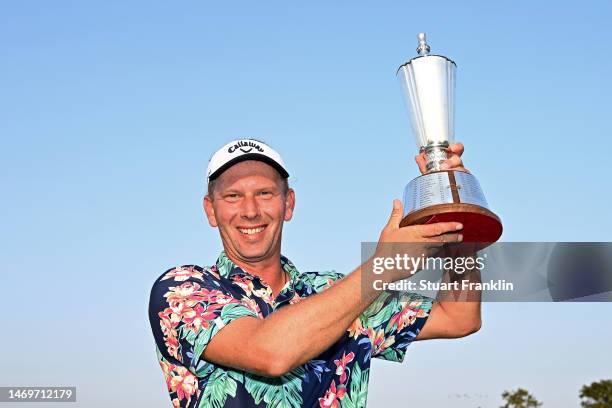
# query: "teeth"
250 231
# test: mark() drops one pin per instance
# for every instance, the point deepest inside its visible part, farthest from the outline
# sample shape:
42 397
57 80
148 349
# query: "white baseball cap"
240 150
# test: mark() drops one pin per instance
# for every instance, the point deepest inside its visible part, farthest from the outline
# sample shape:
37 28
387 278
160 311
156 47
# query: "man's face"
249 206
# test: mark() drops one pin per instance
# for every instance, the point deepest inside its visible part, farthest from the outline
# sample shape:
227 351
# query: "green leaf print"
347 402
233 311
236 375
228 313
203 369
201 341
391 354
372 310
224 264
220 385
277 392
188 335
358 394
320 281
384 314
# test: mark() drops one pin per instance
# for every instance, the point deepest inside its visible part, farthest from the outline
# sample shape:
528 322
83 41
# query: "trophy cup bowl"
428 83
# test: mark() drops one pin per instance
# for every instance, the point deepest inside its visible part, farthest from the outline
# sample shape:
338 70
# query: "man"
252 331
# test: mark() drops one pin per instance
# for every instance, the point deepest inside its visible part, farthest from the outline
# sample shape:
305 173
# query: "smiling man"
253 331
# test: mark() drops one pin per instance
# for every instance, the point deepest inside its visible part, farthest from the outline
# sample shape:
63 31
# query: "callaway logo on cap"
240 150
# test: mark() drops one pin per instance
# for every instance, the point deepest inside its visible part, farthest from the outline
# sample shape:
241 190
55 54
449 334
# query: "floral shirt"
190 304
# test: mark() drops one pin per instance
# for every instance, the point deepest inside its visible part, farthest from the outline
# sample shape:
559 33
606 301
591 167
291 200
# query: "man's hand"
427 239
453 162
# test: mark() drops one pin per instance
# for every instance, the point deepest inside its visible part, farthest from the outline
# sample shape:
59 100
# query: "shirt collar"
227 268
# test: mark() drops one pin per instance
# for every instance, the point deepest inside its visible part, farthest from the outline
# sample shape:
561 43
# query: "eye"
265 194
231 196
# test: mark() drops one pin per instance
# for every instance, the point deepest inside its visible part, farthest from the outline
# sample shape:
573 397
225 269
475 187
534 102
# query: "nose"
250 208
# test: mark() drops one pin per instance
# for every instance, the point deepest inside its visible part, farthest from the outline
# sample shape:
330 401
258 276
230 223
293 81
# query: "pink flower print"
403 318
341 365
356 328
265 294
184 383
167 326
188 293
170 334
182 273
172 347
332 396
200 318
245 283
224 300
252 305
196 319
167 369
214 271
180 311
213 296
408 315
379 343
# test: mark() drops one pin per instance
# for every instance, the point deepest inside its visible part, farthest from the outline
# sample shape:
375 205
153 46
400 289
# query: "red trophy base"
479 224
459 199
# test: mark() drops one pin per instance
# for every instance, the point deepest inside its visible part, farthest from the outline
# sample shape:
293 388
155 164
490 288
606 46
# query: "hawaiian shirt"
190 304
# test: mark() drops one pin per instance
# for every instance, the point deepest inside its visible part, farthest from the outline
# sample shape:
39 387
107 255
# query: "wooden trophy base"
453 190
479 224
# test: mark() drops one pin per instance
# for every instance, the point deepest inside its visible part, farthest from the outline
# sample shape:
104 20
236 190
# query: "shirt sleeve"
187 308
320 281
392 322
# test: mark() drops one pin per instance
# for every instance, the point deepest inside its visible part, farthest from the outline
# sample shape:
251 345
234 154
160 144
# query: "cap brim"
249 156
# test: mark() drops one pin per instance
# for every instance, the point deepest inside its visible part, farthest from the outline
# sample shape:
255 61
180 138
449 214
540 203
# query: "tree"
519 399
597 395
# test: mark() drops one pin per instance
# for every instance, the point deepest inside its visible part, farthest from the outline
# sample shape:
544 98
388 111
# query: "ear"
289 204
209 210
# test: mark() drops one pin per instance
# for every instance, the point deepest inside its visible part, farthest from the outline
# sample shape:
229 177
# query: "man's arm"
293 334
456 313
297 333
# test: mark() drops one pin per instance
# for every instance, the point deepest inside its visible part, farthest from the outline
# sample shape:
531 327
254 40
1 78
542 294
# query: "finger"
460 168
453 163
421 162
450 237
439 228
456 148
396 215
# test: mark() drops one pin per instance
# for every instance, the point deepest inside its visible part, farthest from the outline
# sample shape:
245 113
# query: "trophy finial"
423 48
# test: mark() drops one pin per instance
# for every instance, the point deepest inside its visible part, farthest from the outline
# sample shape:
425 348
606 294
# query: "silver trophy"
428 82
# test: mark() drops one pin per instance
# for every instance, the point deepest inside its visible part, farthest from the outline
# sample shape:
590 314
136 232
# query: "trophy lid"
423 50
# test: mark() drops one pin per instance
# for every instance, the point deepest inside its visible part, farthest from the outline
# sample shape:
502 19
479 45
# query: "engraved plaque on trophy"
428 82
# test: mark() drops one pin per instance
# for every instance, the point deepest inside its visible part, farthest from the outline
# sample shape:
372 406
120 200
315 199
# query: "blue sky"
110 111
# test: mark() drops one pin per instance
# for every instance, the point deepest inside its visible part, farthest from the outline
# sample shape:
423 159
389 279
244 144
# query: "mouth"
251 230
